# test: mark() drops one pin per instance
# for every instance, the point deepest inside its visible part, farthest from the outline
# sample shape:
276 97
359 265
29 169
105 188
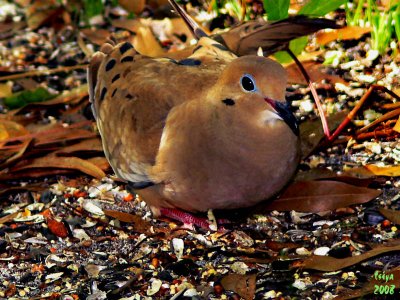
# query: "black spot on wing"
127 58
173 61
220 47
113 93
228 102
139 185
110 65
190 62
115 78
197 48
103 93
125 47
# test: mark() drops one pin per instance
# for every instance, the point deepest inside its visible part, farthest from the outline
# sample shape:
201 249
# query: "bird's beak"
283 111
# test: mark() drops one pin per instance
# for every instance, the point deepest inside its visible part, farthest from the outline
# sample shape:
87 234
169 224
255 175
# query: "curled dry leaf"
146 43
345 33
89 145
17 155
96 36
10 129
34 173
331 264
57 228
317 196
135 7
243 285
140 225
51 161
100 162
325 173
392 171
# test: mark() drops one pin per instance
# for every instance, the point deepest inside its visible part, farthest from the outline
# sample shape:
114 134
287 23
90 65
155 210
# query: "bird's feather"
132 96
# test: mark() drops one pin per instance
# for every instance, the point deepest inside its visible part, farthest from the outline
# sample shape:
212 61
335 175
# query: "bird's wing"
132 96
246 38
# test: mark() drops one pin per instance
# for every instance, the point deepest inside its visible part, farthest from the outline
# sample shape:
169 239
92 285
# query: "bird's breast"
205 169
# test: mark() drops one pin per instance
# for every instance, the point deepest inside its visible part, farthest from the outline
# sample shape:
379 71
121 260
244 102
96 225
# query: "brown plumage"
211 131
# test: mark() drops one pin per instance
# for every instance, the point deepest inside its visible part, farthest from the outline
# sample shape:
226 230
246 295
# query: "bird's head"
254 86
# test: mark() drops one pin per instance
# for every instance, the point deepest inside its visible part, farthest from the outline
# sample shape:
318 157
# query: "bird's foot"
189 219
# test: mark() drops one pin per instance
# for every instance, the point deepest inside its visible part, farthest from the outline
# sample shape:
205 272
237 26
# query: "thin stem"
313 92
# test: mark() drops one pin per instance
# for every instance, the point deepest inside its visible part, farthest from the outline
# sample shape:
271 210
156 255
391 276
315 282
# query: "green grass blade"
320 7
276 9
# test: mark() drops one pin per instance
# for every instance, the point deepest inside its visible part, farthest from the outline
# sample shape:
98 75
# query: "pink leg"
185 217
188 219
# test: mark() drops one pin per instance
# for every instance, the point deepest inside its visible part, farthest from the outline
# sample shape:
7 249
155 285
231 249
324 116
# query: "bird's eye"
248 83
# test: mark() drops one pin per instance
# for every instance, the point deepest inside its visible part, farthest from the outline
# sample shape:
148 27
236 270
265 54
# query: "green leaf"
320 7
296 45
276 9
23 98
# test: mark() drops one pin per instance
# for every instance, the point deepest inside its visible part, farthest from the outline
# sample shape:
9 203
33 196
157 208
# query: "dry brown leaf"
135 6
278 246
128 24
89 145
57 228
96 36
33 173
42 12
325 173
52 161
62 136
39 72
391 214
243 285
17 155
100 162
10 129
318 196
331 264
146 43
345 33
85 49
392 171
140 225
7 28
55 133
316 72
29 187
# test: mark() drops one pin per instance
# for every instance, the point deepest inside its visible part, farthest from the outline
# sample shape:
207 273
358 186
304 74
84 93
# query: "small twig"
356 108
385 117
313 92
376 134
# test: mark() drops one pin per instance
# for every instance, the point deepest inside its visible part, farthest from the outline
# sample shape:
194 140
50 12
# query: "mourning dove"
210 130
